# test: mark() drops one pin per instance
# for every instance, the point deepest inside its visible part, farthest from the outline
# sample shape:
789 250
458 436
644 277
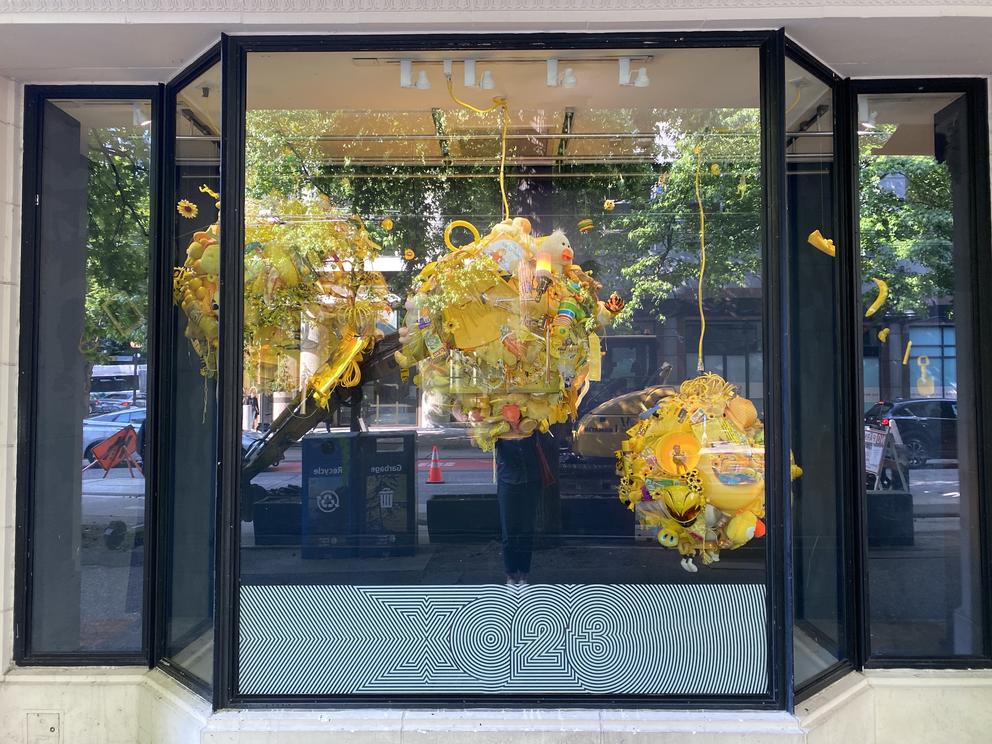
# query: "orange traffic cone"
434 474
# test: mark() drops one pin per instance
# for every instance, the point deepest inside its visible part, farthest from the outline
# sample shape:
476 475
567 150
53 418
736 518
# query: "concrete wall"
118 706
10 220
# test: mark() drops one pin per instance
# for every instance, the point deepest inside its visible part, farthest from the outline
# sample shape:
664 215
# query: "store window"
819 498
85 400
922 457
190 432
469 280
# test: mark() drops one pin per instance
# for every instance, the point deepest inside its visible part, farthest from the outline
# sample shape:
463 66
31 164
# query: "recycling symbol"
328 501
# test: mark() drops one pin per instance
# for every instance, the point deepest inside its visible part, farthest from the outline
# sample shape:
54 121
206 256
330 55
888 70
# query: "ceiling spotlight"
624 70
642 80
406 73
568 80
552 78
487 82
470 73
422 82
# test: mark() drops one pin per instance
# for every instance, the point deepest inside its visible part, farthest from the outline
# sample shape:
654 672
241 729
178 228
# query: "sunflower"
187 209
409 255
387 224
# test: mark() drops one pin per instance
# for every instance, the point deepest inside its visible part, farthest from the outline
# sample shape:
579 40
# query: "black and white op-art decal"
616 639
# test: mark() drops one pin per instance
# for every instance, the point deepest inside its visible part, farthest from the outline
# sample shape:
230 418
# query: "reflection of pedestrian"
140 446
522 473
251 399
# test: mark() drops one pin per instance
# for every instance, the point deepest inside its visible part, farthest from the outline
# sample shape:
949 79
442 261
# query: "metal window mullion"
777 371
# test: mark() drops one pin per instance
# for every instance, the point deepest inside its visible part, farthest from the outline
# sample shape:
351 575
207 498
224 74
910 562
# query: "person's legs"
517 489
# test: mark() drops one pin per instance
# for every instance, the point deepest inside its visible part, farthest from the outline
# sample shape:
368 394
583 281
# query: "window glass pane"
922 494
921 336
818 496
456 554
89 490
191 431
871 381
755 381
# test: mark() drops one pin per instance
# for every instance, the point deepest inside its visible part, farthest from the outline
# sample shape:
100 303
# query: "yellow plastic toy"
500 330
693 467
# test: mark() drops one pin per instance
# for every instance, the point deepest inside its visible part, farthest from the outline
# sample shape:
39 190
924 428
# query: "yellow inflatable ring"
681 445
725 496
476 237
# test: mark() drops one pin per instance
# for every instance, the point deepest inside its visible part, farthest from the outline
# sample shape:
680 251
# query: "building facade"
418 372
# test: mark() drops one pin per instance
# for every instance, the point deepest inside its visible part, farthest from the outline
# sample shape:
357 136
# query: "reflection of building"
617 625
732 343
933 355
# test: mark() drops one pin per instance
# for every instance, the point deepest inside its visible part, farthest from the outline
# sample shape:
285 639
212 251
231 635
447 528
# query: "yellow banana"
822 244
883 293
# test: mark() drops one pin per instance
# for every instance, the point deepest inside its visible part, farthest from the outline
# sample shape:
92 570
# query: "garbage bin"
387 493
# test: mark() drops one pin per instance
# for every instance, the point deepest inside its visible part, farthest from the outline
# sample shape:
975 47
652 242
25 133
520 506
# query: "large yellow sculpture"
504 331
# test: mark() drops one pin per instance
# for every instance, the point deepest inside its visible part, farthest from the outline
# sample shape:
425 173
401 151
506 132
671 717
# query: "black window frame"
158 651
35 96
975 91
850 415
234 51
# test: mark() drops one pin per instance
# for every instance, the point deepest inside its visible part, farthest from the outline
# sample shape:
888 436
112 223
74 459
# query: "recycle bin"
330 515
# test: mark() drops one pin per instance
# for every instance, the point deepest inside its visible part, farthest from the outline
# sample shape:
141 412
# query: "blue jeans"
522 472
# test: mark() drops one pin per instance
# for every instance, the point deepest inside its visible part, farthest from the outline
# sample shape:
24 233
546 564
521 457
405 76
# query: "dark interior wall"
815 370
62 387
192 453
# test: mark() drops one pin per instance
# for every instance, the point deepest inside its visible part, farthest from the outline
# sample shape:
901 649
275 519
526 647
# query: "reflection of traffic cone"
434 474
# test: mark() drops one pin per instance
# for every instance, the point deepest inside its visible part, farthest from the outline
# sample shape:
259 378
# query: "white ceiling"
137 51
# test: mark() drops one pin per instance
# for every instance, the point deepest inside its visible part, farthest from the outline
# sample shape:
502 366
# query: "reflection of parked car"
928 427
118 400
601 431
98 428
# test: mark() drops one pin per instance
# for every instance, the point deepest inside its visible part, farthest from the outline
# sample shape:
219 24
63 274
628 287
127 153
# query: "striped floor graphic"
618 639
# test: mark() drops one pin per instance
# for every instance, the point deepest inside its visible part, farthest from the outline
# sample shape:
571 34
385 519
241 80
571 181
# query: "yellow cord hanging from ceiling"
698 151
499 102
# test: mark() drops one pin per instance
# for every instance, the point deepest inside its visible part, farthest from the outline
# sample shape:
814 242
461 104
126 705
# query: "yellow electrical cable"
702 260
498 103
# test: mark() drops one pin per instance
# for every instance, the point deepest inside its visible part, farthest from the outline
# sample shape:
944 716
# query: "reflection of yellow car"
600 432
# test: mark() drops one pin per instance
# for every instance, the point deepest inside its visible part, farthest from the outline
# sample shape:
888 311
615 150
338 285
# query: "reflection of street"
925 575
116 497
465 469
936 491
112 559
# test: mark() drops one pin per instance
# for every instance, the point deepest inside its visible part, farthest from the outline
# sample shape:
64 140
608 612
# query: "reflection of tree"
906 238
647 247
649 243
118 242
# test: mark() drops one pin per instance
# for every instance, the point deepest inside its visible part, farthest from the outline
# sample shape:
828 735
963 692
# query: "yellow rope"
702 261
799 94
498 103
